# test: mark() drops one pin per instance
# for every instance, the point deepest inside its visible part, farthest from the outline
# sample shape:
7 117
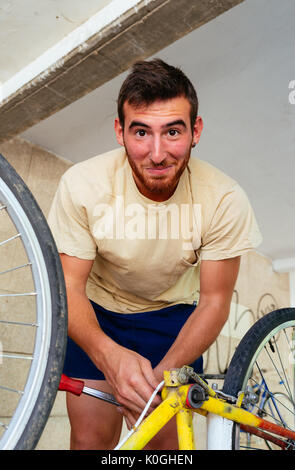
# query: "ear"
197 130
119 132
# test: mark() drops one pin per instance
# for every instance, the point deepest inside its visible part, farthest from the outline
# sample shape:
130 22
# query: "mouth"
159 170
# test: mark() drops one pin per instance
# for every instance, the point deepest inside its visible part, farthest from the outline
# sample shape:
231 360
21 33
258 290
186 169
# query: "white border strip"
284 265
292 288
287 265
76 38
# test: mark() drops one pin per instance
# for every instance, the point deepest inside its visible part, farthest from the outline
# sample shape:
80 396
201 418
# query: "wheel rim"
12 430
271 377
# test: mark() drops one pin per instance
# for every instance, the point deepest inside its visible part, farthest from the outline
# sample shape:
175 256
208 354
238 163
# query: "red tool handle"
71 385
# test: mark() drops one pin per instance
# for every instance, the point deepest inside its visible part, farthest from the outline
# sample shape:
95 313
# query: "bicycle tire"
32 411
250 350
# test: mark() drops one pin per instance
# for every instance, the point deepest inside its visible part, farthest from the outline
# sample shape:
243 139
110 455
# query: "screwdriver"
77 387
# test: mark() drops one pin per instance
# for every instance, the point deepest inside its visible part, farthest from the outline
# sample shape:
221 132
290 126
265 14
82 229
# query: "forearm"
217 281
84 328
129 374
196 336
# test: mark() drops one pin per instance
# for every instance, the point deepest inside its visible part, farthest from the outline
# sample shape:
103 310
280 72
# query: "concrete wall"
258 289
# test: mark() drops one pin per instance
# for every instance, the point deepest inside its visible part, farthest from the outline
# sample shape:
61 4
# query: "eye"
141 132
173 132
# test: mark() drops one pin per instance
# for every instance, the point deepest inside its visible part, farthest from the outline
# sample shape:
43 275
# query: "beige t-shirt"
147 254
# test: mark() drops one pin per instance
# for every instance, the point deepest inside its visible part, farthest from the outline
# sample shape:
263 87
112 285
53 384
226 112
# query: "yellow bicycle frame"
175 403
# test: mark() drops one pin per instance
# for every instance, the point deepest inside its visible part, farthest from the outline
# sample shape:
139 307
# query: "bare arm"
217 281
130 375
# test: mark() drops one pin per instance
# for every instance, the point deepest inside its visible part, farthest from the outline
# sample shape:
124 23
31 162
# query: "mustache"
163 164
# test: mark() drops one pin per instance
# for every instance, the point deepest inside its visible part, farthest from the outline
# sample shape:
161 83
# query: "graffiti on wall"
266 303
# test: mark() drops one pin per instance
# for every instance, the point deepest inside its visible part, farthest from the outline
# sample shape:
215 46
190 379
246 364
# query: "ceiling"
60 65
241 64
30 27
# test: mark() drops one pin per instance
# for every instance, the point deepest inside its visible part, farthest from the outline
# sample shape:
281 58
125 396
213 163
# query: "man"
150 241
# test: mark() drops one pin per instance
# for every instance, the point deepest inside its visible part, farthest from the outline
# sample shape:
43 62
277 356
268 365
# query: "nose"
157 151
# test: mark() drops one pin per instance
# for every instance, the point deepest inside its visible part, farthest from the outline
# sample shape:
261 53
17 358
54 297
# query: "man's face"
158 140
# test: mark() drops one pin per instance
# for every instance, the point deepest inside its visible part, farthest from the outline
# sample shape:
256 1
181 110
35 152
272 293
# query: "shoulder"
206 176
94 180
96 168
218 194
210 185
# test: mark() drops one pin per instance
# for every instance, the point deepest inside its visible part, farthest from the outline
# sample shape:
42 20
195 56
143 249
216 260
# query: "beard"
158 184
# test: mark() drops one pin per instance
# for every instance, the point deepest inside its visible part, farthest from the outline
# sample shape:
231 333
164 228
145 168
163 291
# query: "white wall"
242 64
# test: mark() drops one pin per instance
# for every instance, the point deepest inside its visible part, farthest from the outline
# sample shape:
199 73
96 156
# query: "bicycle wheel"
263 364
33 320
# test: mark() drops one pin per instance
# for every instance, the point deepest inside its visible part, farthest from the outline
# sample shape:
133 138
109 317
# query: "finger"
128 396
132 417
151 379
136 395
146 383
128 424
149 374
134 403
135 388
129 417
146 392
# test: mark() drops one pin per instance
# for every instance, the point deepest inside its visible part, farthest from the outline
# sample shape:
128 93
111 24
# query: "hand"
131 417
132 379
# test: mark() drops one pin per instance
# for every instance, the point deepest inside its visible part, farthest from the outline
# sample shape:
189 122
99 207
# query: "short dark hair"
154 80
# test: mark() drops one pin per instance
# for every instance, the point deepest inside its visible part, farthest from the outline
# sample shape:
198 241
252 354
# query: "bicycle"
236 414
30 390
33 315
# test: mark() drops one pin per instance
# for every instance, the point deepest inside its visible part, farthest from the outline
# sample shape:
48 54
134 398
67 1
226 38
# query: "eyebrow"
169 124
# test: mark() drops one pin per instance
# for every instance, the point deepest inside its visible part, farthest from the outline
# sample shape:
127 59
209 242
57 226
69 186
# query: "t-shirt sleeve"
68 222
233 230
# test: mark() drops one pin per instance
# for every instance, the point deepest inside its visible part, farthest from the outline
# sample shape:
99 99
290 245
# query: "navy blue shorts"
150 334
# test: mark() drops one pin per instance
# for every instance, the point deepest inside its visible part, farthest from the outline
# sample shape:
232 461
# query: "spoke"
264 386
283 369
286 386
16 267
5 322
10 239
290 341
16 356
18 295
3 425
7 389
278 421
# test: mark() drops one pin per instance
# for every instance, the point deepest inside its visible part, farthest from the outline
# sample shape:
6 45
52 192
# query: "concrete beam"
137 34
